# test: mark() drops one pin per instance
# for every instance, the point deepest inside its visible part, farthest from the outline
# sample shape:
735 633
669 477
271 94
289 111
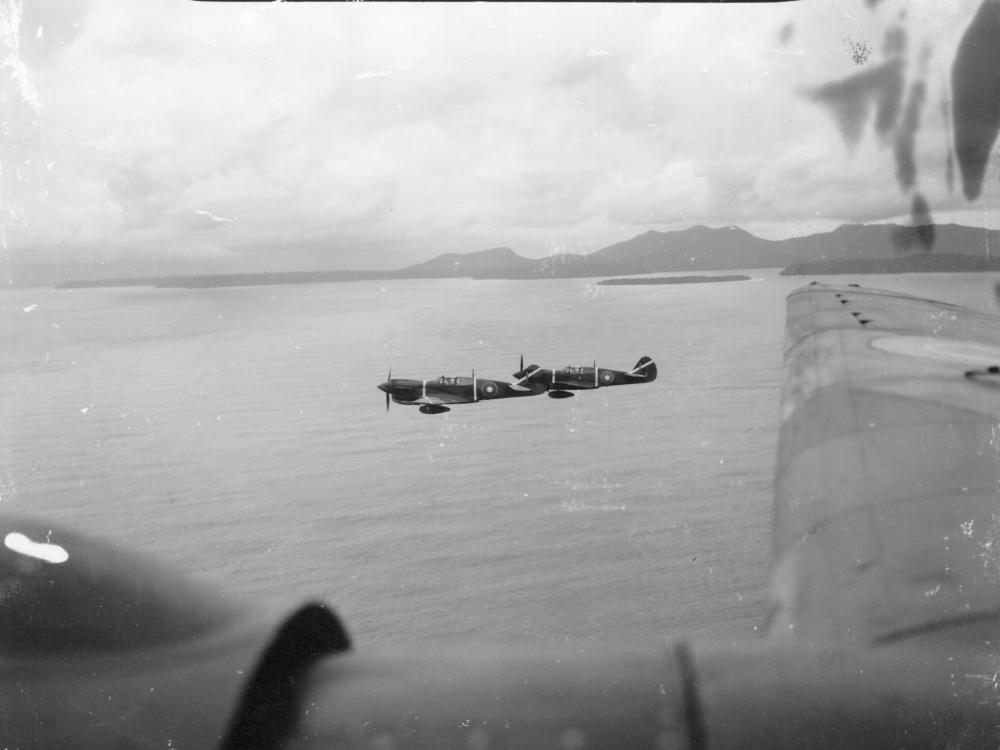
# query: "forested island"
915 263
851 248
671 280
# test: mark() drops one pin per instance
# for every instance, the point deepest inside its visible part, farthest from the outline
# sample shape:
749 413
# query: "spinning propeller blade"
388 379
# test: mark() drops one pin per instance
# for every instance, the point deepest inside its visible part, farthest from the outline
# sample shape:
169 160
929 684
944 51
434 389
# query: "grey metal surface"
886 505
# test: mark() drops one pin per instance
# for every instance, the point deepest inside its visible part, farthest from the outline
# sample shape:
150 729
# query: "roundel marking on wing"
939 349
607 377
489 388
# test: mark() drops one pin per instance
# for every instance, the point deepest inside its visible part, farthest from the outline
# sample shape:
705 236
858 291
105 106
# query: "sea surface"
236 435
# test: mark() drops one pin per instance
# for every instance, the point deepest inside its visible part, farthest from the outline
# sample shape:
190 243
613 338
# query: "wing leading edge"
887 504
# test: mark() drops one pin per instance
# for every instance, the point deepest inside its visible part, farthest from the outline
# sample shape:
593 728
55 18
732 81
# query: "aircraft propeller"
388 398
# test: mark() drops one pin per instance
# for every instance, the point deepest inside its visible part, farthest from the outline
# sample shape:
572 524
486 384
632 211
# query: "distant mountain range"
703 249
698 248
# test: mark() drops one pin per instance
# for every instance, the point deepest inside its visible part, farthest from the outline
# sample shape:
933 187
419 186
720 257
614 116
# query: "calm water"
237 435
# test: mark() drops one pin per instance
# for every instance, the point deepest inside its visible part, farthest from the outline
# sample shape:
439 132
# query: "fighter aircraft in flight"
436 396
884 599
561 383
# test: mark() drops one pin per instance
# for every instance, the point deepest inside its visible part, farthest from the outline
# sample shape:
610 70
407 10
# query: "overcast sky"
356 135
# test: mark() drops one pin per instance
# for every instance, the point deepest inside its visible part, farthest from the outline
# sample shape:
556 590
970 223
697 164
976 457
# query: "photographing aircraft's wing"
887 505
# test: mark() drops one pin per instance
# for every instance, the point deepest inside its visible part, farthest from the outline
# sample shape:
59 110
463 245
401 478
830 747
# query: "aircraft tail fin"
645 368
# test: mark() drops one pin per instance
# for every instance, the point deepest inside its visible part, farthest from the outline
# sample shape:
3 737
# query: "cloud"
213 218
674 193
366 74
389 132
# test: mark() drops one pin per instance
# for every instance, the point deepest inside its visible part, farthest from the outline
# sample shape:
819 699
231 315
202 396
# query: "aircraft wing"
441 396
887 497
567 384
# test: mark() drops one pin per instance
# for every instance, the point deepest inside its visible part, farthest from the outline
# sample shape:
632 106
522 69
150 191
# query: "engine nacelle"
102 648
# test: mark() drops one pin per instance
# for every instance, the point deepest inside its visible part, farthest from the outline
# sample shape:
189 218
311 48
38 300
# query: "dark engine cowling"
101 648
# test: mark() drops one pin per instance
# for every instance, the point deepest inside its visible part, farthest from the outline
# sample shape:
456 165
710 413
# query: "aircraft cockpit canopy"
451 380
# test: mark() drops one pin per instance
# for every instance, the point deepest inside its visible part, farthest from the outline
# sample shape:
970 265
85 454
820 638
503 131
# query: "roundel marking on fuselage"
488 388
607 377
